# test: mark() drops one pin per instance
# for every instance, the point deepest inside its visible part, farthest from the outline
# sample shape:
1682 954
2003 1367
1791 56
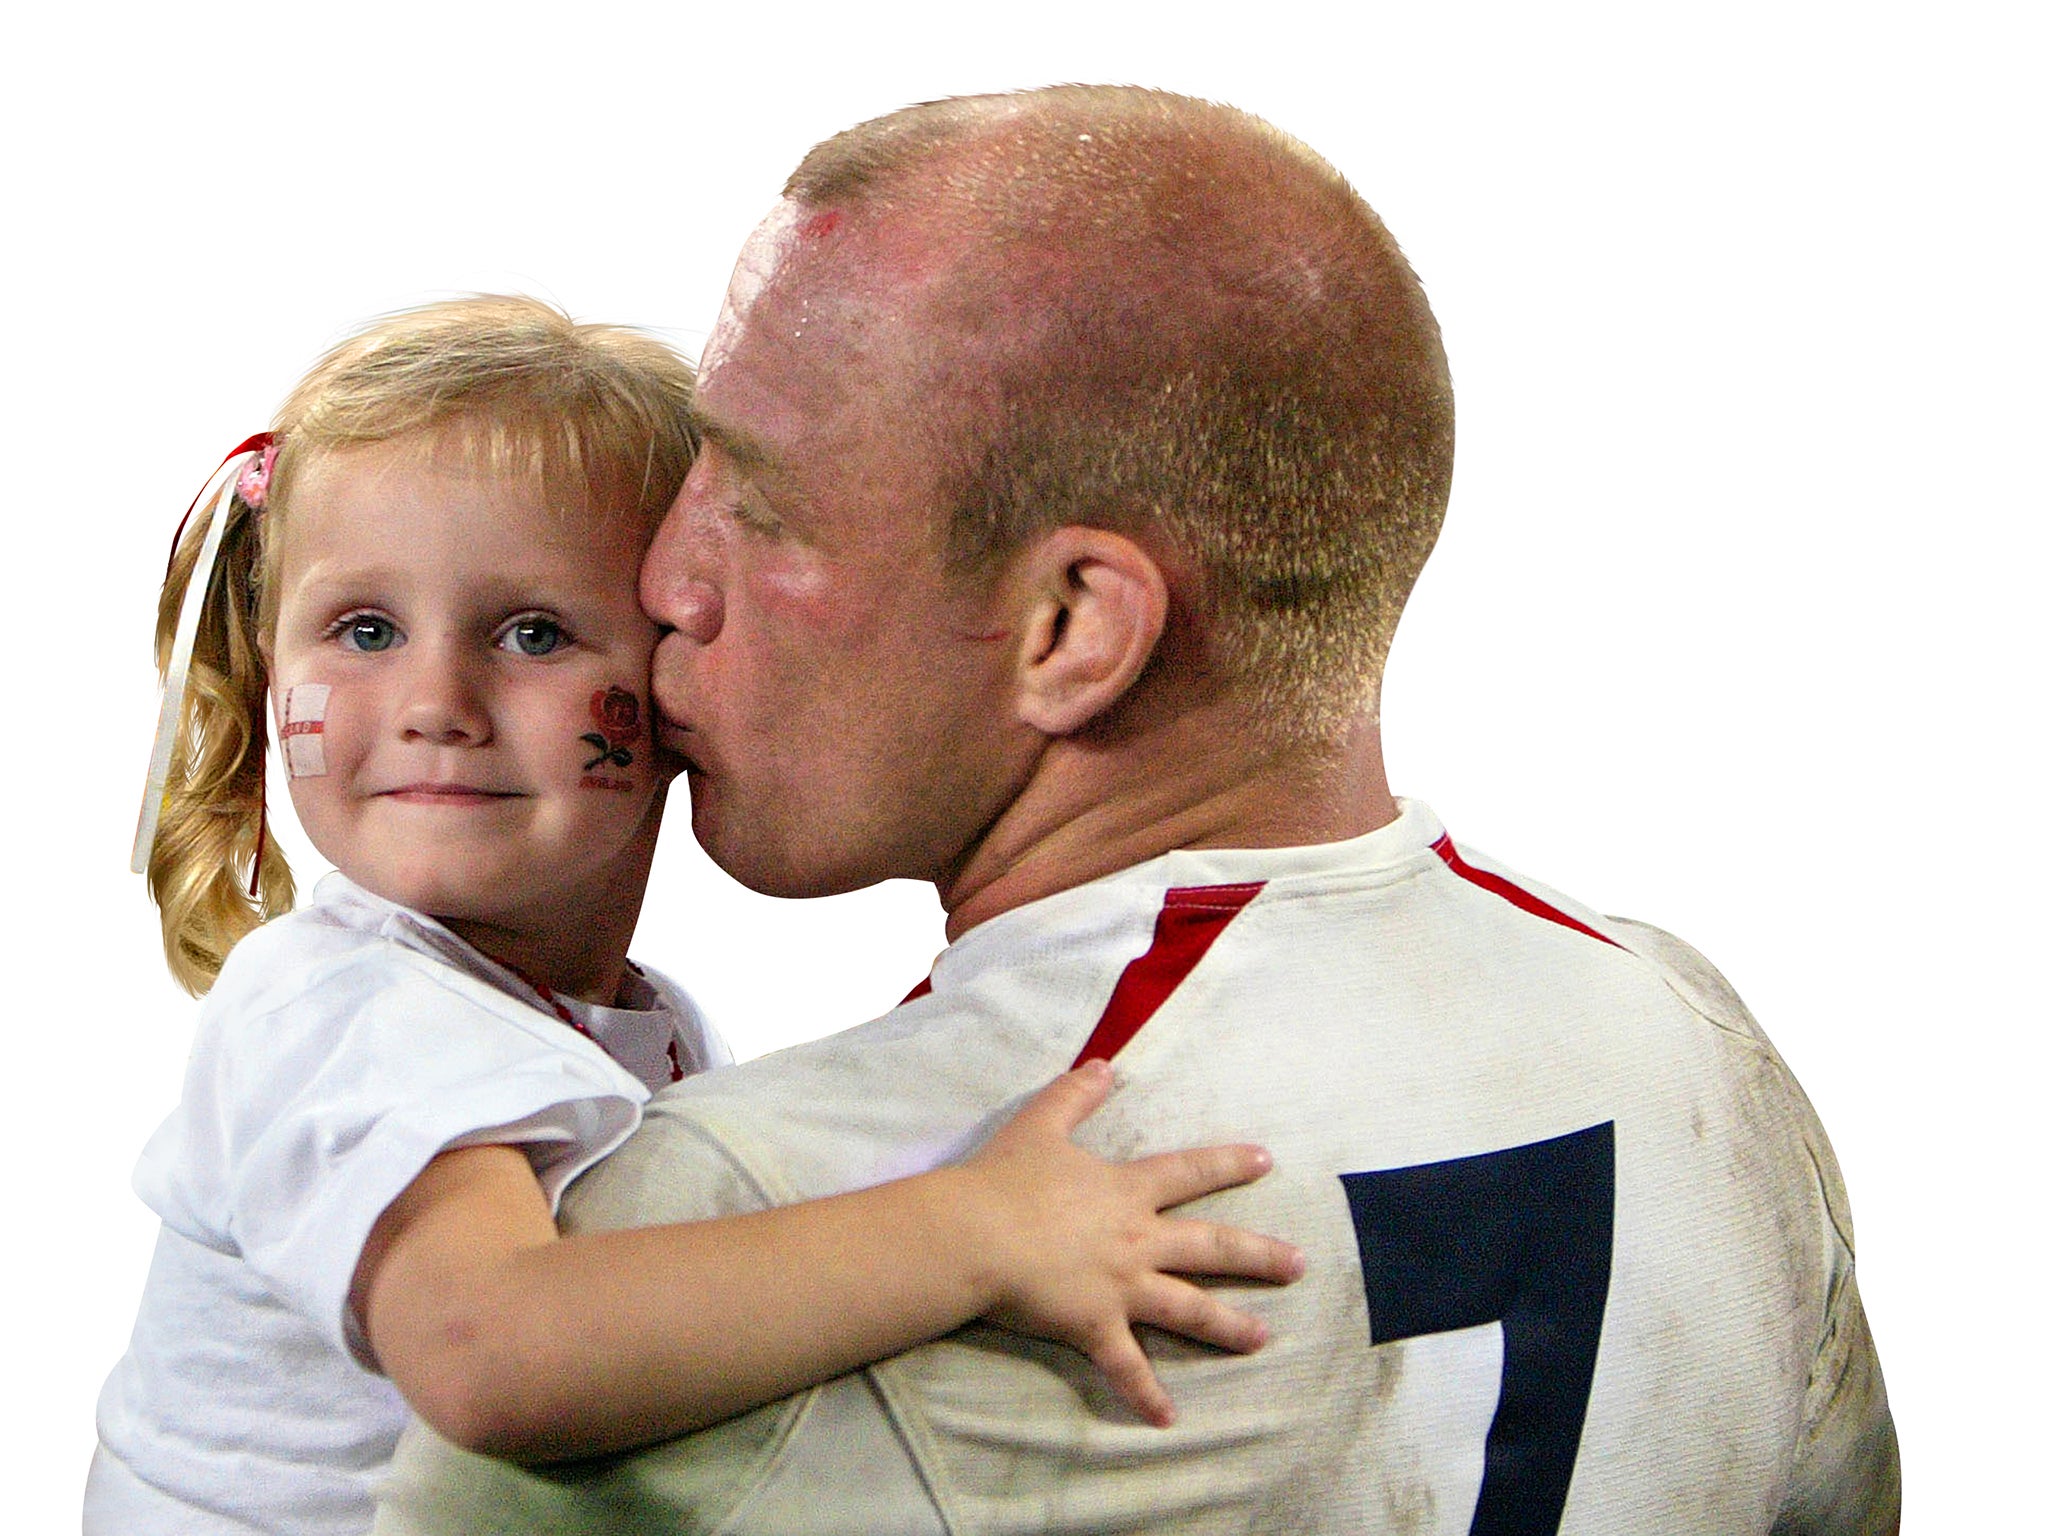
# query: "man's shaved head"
1165 317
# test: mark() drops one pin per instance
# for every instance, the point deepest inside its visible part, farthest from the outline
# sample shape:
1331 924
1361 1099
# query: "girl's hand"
1077 1250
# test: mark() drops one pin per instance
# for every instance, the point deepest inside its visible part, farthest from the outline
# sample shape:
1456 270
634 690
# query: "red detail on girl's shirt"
546 994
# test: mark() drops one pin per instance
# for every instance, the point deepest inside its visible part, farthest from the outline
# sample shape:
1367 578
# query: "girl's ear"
1094 608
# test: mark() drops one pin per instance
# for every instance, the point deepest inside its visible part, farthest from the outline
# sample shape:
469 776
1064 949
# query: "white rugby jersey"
1579 1256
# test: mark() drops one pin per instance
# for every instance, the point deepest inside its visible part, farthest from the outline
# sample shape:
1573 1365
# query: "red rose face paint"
616 712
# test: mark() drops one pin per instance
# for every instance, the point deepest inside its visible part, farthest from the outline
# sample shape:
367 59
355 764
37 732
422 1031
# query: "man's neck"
1092 809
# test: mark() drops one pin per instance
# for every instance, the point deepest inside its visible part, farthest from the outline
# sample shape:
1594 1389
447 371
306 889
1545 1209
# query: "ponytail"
211 835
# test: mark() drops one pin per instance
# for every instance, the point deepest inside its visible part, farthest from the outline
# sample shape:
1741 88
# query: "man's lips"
677 741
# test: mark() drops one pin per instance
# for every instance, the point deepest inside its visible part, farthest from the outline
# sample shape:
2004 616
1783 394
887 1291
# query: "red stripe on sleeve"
1192 919
1446 850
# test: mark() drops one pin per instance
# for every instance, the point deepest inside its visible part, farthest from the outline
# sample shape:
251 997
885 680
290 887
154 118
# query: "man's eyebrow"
742 447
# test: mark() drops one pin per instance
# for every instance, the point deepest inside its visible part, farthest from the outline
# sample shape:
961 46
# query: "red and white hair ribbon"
248 456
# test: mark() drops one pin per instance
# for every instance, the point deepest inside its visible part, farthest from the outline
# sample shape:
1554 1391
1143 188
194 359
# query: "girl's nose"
443 706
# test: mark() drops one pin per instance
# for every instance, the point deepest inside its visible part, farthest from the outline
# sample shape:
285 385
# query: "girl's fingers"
1174 1177
1062 1104
1190 1247
1119 1357
1188 1310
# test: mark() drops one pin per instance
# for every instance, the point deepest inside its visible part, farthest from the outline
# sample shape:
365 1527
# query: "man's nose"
444 701
674 585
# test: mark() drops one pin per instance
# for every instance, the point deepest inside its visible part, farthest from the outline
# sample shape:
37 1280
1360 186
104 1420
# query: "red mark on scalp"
820 225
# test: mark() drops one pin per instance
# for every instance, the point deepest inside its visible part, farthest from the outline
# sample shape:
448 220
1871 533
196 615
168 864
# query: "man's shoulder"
1009 1005
1708 993
1506 909
1698 983
853 1074
898 1095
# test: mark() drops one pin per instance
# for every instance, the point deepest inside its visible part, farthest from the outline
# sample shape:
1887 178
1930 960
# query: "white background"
1734 626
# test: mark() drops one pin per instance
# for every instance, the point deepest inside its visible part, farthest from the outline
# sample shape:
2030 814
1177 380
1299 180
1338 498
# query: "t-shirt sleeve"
1845 1470
1845 1474
686 1164
678 1167
302 1122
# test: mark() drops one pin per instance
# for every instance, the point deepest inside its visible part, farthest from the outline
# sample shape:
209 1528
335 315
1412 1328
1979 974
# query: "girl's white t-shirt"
341 1049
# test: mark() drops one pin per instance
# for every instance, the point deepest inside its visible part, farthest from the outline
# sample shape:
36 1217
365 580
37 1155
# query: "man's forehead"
826 314
791 227
765 251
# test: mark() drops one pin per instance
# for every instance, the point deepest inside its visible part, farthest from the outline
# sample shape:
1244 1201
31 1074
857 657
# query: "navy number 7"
1523 1237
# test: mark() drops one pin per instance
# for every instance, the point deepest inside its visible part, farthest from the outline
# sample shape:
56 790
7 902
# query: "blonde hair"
1206 336
599 415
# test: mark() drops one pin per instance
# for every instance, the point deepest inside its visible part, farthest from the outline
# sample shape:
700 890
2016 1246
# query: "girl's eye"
367 632
533 637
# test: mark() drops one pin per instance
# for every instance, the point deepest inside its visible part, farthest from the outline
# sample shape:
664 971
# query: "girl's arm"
515 1341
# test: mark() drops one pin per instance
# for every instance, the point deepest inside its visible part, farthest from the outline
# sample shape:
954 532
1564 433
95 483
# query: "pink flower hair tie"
253 486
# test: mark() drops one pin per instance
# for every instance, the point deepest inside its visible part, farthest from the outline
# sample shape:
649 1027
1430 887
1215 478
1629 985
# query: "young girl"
426 572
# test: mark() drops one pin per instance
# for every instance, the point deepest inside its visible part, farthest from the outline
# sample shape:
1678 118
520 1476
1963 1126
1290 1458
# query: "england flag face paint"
303 730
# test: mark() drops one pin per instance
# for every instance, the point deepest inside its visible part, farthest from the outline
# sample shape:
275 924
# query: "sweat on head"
1301 467
592 422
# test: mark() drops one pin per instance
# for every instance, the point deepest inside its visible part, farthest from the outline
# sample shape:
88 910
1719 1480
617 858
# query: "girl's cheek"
302 729
614 745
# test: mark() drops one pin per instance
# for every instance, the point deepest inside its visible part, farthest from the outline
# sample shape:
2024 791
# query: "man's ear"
1094 606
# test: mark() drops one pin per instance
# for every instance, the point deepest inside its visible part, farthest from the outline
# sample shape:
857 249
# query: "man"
1069 458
